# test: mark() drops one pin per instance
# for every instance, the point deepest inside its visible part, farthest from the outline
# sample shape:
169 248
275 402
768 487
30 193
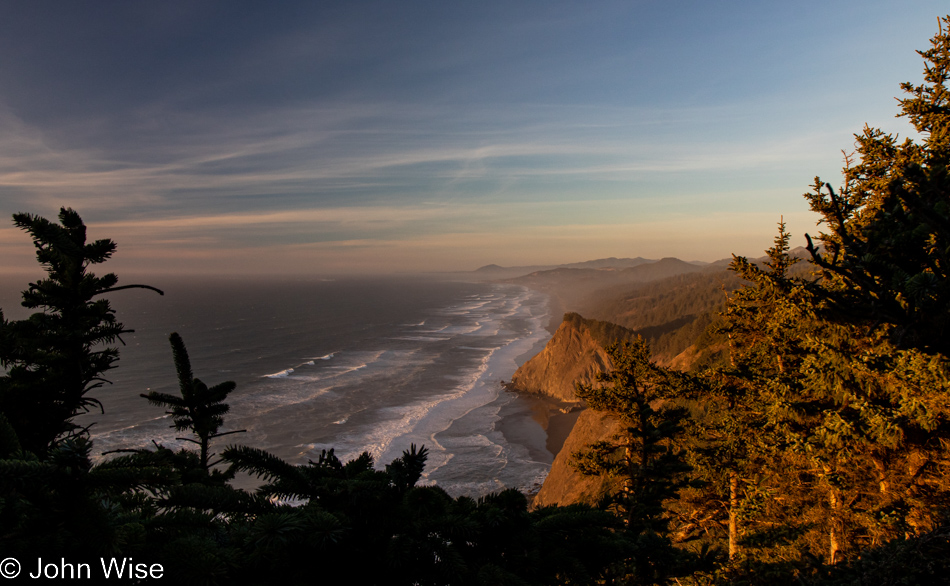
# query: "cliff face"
574 354
565 485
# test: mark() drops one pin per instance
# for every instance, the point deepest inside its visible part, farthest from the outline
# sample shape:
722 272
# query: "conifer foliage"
827 435
644 459
57 356
887 250
199 408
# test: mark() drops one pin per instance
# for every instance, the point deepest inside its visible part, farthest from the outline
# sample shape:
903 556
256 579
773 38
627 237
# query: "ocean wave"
282 374
464 309
462 329
435 331
346 369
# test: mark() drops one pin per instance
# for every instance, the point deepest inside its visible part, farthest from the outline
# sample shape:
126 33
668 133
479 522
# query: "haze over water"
372 364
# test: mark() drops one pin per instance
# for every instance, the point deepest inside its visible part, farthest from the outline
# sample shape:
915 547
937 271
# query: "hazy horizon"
375 138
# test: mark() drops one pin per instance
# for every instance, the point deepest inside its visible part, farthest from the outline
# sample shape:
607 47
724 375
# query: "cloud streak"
396 128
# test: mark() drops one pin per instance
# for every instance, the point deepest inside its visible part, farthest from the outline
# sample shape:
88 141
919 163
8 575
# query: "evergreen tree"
856 424
848 373
53 499
887 251
885 302
57 356
644 457
200 408
753 403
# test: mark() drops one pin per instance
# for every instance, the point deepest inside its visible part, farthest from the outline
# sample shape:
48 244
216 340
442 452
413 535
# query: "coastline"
560 426
539 423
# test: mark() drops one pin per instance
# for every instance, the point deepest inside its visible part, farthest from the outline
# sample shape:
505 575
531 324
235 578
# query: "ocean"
354 364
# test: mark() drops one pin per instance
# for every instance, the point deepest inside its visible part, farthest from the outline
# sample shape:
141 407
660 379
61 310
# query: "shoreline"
550 418
540 423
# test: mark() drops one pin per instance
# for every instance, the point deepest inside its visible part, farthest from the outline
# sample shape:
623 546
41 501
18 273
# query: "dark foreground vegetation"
817 451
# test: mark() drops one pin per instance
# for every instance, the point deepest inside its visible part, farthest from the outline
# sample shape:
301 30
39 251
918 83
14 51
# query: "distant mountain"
494 271
607 263
569 288
661 269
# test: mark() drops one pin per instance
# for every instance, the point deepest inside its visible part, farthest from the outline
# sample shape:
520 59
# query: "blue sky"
326 137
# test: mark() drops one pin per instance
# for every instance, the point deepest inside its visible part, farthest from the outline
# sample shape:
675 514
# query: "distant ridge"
497 271
489 268
665 267
570 285
605 263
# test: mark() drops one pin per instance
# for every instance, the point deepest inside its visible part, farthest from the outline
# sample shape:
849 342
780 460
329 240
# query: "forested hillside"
571 288
820 440
816 449
673 313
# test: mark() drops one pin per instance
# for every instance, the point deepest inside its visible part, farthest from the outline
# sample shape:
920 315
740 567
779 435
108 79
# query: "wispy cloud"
298 153
469 132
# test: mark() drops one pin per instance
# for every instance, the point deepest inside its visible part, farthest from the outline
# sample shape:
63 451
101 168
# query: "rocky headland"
668 302
575 354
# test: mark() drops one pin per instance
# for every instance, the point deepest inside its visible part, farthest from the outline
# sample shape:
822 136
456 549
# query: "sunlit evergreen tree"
644 458
849 371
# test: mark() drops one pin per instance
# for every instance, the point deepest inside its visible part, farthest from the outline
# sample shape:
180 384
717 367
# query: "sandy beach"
540 423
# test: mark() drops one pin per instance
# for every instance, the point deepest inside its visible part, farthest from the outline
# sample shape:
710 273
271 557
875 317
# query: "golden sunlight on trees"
826 436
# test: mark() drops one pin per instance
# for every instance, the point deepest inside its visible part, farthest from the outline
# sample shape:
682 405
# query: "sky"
308 138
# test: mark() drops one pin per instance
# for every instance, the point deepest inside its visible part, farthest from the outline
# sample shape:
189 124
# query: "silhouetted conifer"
56 356
199 408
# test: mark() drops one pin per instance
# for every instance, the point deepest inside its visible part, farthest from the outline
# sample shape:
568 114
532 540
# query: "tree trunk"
881 467
733 514
833 535
203 456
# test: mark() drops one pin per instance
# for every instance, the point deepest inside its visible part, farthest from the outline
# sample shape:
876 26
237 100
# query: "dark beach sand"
539 423
559 427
